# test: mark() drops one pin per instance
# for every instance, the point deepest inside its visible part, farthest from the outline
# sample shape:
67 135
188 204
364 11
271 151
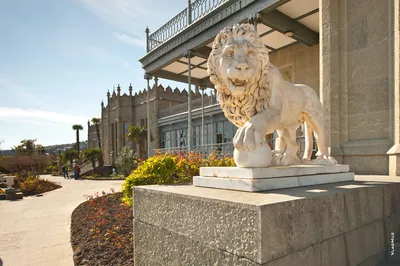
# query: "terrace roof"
168 45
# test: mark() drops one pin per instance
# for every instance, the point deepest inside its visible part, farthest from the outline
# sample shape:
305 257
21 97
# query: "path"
36 230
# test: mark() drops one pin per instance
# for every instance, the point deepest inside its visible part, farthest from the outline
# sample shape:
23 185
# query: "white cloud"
22 93
130 40
123 14
39 117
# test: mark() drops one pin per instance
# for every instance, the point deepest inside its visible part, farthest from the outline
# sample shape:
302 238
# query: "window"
126 131
143 122
196 136
208 134
166 139
181 137
162 144
220 130
228 132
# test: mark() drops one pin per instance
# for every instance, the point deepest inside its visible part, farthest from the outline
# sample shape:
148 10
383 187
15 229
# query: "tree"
126 161
69 156
96 121
92 156
137 135
77 128
27 147
40 149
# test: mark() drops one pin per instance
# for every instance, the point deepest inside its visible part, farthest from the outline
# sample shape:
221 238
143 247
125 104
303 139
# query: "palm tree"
77 128
137 134
69 156
96 121
92 156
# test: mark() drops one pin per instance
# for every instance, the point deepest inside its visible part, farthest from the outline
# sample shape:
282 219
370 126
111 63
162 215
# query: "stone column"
330 72
394 152
155 129
132 116
148 77
189 133
109 139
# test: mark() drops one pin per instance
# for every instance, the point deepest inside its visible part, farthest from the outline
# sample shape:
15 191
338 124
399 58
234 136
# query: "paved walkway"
36 230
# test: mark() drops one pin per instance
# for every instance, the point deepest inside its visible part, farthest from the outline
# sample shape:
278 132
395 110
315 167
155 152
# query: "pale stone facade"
356 81
123 110
298 64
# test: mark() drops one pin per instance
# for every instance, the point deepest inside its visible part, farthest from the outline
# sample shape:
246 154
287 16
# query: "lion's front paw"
321 160
325 160
280 159
247 138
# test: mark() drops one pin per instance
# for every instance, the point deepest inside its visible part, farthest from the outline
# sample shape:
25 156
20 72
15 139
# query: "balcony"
196 10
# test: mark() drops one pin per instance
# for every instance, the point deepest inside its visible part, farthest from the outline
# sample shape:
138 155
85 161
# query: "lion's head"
237 67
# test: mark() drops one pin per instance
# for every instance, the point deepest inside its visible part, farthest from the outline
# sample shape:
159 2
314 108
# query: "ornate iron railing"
217 148
226 148
200 8
197 10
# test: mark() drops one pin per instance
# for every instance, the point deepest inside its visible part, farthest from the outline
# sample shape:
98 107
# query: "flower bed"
102 231
34 185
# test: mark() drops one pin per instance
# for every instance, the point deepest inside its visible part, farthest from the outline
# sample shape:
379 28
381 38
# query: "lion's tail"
309 142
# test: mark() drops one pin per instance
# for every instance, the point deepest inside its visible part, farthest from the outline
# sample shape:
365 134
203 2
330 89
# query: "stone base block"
15 196
272 172
348 223
261 179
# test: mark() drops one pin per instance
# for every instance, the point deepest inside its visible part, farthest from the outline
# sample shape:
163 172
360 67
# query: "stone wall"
356 81
298 63
342 224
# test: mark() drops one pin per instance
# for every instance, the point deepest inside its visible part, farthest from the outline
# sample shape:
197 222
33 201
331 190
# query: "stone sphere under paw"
260 157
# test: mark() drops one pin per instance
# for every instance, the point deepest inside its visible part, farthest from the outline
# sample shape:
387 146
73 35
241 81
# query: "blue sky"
59 58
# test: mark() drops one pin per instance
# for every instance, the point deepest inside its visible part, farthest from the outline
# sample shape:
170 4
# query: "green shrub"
126 161
155 170
169 169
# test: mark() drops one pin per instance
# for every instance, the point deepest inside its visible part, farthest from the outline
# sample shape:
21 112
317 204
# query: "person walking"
66 172
76 171
63 171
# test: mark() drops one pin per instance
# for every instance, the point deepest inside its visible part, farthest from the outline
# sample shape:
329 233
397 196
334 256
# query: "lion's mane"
239 110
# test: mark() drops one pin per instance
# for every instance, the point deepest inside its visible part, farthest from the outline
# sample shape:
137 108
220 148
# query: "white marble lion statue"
255 98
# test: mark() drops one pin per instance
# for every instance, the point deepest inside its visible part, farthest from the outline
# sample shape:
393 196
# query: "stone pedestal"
261 179
349 223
